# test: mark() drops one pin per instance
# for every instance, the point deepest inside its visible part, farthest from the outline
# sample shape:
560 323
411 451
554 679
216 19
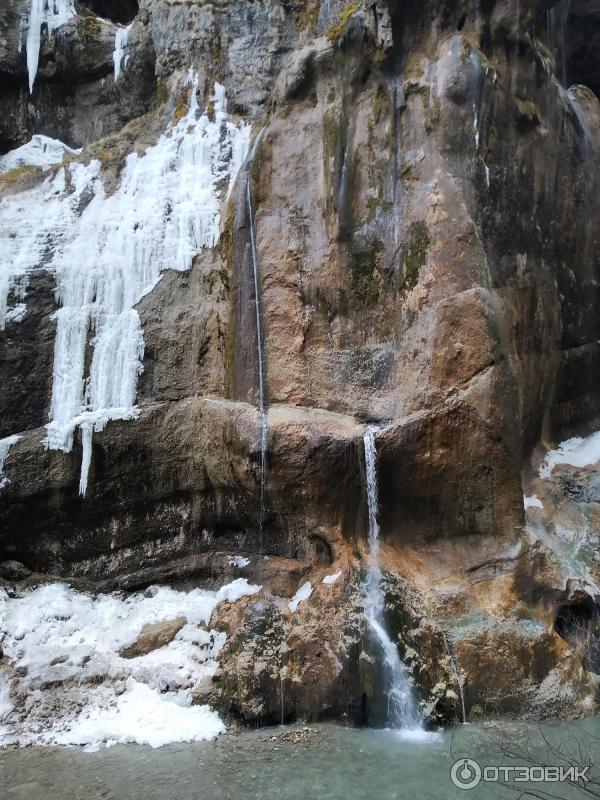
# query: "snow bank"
40 151
108 251
577 452
66 645
303 593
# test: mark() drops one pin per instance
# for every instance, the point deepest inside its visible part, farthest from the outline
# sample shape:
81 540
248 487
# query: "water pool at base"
296 763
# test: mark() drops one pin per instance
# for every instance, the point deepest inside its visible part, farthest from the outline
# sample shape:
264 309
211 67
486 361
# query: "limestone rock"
153 637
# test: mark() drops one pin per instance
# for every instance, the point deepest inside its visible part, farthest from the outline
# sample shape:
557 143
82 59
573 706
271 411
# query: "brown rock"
153 636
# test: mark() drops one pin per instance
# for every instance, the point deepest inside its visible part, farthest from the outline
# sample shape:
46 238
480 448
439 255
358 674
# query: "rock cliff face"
421 202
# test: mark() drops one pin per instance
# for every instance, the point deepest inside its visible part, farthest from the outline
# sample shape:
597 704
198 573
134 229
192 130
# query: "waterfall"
262 387
401 707
458 678
557 18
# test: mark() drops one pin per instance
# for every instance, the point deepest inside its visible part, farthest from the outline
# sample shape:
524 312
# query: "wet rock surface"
425 198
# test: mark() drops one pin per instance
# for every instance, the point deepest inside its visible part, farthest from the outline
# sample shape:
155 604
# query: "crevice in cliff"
574 619
121 11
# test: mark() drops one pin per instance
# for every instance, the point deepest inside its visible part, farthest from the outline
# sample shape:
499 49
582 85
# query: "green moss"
364 284
89 25
413 71
162 92
181 110
416 255
14 176
337 32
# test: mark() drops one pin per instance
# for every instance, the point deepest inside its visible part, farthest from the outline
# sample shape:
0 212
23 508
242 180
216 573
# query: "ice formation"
328 580
239 561
65 647
53 14
41 151
303 593
108 255
532 502
5 445
576 452
120 58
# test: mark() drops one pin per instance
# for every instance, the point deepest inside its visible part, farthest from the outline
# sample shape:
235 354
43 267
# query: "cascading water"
262 388
458 678
401 707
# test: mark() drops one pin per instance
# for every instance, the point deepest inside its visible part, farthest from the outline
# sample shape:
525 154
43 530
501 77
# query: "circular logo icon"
465 773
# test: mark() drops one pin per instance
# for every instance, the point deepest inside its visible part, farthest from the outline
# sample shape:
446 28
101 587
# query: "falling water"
401 708
557 18
262 392
458 678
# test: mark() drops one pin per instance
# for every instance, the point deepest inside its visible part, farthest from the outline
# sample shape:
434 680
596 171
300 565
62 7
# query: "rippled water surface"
293 763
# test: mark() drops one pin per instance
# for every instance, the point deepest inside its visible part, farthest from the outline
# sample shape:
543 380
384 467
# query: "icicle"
5 445
53 14
119 58
106 257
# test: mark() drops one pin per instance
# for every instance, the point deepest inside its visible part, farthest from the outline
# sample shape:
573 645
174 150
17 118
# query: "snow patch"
63 638
40 151
142 716
329 579
303 593
576 452
532 502
5 445
16 314
239 561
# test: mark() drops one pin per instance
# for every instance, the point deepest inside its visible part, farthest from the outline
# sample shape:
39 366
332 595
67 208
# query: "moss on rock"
416 255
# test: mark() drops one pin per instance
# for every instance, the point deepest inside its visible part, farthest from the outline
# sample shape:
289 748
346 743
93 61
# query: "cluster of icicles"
51 14
108 251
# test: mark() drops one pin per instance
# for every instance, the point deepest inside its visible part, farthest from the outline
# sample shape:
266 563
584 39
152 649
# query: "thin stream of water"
262 394
401 707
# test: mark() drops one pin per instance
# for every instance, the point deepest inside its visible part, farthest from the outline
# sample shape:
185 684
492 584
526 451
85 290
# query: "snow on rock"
120 58
239 561
5 445
532 502
329 579
107 256
6 705
40 151
303 593
52 14
142 716
576 452
65 647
